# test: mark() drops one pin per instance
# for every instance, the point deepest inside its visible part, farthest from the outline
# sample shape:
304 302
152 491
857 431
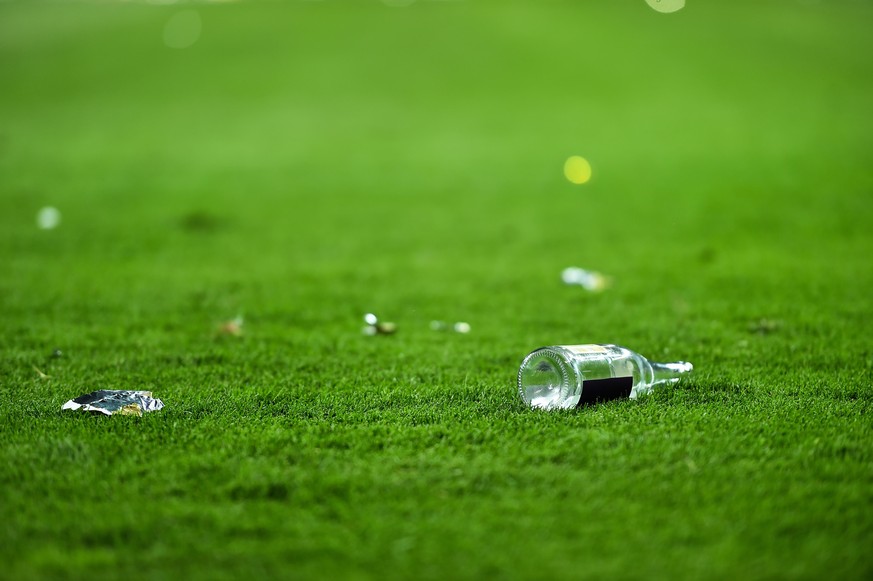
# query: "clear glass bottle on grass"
568 376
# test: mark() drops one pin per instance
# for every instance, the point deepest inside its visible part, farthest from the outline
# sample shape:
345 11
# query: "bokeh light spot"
48 218
183 29
666 6
577 169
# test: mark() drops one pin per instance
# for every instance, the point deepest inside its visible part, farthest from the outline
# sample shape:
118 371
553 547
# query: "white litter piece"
588 279
376 327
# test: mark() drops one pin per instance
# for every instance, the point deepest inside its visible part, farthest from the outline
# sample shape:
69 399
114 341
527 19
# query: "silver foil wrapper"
115 401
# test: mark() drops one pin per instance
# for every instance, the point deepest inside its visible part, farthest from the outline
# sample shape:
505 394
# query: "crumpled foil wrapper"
115 401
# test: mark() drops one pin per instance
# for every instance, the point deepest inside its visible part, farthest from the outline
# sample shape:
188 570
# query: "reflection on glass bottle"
568 376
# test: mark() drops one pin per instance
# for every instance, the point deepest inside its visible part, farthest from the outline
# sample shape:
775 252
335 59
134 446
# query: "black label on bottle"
600 390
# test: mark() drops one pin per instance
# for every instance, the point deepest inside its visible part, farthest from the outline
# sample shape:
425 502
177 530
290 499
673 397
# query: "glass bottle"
568 376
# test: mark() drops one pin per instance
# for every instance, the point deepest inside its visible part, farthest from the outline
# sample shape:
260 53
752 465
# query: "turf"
304 163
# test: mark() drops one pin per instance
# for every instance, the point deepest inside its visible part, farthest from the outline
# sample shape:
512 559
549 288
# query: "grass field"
304 163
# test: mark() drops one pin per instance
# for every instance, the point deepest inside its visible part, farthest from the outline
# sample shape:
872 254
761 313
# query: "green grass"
304 163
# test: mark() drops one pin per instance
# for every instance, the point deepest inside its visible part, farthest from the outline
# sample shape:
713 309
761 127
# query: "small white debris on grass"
588 279
234 327
459 327
374 327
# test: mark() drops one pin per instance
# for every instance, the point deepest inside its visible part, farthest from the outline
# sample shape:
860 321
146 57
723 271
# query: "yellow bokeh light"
577 169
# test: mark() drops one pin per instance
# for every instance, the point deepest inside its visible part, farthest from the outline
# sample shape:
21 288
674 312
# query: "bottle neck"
668 373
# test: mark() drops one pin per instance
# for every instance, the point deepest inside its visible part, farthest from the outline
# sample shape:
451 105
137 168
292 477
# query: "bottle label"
600 390
583 349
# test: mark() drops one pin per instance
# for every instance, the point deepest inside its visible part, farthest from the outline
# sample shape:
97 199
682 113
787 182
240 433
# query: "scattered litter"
115 401
40 373
233 327
459 327
764 326
48 218
386 328
588 279
374 327
57 354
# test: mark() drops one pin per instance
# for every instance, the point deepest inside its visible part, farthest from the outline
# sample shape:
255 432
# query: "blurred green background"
300 164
